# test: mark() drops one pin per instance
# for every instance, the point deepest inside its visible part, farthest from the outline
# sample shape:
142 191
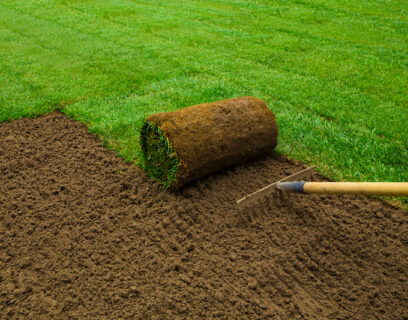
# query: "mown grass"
334 72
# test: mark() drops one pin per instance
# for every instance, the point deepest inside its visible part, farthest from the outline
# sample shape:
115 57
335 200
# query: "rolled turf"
184 145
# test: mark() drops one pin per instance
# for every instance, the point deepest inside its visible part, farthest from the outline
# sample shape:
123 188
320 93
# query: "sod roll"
184 145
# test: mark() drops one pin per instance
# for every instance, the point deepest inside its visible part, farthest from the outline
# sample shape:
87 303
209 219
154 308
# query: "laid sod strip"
334 71
159 159
184 145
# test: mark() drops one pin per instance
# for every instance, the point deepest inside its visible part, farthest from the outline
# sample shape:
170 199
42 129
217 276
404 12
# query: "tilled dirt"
86 236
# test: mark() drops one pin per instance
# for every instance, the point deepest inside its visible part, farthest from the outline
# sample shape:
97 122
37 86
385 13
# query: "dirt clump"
85 235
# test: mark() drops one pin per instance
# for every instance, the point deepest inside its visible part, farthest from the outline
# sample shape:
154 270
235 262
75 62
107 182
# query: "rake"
294 184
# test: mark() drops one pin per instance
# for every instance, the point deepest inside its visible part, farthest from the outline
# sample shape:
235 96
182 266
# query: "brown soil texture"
213 136
85 235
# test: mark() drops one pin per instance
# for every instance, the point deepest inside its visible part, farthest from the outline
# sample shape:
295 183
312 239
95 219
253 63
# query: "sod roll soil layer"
189 143
86 236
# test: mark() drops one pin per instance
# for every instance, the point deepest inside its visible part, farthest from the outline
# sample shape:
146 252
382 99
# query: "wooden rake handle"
359 188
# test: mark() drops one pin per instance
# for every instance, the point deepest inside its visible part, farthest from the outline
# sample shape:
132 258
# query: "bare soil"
85 235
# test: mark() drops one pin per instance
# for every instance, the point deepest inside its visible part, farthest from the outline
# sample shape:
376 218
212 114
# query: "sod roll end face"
184 145
160 160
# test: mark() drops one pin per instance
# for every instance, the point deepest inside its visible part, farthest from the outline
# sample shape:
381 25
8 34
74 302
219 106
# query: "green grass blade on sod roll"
159 158
181 146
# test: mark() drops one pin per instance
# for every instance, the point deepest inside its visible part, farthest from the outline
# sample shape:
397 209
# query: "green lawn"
335 72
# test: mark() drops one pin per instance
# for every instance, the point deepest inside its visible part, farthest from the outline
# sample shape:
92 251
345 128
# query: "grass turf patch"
334 72
159 158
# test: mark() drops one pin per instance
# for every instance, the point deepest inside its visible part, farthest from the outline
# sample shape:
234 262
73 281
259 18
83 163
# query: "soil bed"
85 235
